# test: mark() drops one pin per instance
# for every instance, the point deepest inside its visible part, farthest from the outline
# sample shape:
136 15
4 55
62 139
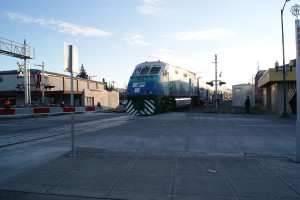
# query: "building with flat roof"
57 88
273 96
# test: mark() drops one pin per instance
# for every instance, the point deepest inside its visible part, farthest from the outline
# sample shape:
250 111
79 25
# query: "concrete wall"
106 98
265 103
55 81
273 98
92 86
239 93
100 87
68 84
82 85
9 82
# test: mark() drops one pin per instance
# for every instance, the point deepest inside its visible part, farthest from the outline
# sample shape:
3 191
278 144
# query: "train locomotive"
156 87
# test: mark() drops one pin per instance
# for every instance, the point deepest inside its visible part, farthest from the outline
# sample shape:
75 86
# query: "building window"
89 101
1 80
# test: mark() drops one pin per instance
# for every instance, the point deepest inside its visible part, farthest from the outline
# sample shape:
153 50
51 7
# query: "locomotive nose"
145 107
139 105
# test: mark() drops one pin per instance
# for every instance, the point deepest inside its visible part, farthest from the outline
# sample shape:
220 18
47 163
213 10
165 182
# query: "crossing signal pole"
216 81
211 83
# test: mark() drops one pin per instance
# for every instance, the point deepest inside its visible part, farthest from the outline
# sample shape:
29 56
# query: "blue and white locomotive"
156 87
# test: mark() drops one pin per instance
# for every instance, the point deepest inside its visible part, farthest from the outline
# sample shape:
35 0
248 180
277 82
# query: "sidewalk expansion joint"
121 176
174 168
226 176
279 177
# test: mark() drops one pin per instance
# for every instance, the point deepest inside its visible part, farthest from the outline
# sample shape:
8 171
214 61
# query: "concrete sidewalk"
103 174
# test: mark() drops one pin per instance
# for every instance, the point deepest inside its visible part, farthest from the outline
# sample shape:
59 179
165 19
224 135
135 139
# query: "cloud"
166 50
60 26
239 63
136 40
206 34
149 6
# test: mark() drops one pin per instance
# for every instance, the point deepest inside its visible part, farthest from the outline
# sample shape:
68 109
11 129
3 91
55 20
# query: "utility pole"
25 74
43 83
285 113
216 82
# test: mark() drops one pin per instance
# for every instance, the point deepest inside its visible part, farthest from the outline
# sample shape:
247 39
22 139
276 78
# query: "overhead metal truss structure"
15 49
22 51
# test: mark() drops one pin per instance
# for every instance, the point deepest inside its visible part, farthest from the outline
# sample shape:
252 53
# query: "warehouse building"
57 88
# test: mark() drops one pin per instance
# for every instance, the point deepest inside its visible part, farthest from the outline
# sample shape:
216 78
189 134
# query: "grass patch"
257 111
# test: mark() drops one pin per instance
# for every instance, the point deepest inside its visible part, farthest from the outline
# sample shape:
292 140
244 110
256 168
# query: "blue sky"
113 36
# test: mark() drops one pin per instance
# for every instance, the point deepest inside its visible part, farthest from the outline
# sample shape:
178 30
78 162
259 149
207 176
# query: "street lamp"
284 114
284 72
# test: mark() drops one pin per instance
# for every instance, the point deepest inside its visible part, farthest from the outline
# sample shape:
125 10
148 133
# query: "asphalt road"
11 126
22 140
26 143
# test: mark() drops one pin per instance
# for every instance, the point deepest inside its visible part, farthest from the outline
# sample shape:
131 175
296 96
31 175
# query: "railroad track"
19 140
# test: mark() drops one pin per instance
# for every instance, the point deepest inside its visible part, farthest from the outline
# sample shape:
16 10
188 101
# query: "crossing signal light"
221 83
210 83
49 86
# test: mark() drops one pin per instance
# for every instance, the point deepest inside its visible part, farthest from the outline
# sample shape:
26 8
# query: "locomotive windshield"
136 71
145 70
154 70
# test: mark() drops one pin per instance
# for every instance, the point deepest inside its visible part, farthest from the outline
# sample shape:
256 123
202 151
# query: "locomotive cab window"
145 70
154 70
136 71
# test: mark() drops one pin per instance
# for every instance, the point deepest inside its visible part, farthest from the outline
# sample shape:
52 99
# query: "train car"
156 87
205 91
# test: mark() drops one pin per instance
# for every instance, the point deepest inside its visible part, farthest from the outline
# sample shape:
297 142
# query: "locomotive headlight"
149 92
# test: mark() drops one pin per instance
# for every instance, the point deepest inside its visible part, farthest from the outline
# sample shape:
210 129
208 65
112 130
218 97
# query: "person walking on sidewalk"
247 104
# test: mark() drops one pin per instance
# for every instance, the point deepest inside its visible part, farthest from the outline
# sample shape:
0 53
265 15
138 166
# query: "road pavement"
186 155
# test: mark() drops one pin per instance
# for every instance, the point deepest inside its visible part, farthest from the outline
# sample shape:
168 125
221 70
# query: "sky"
113 36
